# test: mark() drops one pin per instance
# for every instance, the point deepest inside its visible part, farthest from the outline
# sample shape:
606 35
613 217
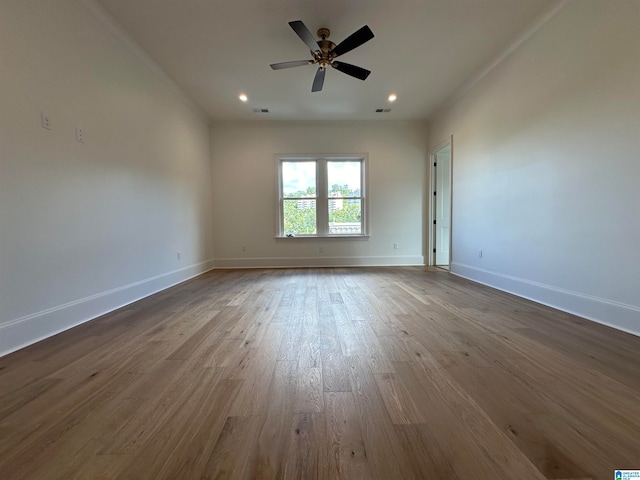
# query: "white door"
442 227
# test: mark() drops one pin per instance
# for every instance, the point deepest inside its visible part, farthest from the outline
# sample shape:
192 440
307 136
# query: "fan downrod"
324 33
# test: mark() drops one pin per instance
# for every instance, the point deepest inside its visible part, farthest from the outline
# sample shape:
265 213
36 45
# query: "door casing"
432 200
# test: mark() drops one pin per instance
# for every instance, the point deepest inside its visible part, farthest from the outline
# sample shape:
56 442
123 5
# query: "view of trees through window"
300 215
343 198
345 211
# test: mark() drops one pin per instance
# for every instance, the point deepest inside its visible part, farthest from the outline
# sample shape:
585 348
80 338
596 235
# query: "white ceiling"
423 50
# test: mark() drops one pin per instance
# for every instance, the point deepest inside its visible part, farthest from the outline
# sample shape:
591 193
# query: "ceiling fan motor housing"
326 46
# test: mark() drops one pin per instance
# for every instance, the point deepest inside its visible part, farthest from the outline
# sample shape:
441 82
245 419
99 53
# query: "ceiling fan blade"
296 63
318 80
353 41
305 35
353 70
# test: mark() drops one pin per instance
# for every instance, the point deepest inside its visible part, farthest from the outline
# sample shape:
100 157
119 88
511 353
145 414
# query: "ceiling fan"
324 52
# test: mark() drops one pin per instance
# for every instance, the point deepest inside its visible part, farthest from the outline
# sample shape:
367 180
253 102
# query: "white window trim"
322 194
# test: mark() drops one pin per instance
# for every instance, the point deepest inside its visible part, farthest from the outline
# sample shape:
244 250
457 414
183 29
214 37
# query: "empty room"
354 239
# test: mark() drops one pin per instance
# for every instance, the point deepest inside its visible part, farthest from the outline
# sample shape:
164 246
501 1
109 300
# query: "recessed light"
243 97
392 97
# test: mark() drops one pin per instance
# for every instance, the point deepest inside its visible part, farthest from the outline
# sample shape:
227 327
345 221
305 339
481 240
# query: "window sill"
317 237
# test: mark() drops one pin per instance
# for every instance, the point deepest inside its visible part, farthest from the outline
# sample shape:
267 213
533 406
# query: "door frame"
432 202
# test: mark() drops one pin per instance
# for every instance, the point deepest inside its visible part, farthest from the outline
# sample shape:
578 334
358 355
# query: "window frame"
322 193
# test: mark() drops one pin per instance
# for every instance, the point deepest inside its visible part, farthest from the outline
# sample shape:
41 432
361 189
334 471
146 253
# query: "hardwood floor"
383 373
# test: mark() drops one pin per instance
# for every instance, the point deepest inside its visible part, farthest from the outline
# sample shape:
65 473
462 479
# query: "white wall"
244 176
546 166
86 228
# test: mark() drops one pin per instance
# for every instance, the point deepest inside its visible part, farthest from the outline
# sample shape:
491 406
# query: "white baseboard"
285 262
613 314
21 332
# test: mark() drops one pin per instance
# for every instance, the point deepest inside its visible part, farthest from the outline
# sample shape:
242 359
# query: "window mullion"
322 194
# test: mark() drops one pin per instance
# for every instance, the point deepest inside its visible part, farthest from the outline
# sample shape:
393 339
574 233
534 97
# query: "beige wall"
244 186
88 227
546 166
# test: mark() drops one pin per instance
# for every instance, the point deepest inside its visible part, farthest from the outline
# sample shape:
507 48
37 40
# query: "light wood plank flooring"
383 373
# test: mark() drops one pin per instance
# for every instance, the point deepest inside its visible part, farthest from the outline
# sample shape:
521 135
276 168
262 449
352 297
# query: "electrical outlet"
321 250
479 253
395 245
244 248
79 135
179 255
45 121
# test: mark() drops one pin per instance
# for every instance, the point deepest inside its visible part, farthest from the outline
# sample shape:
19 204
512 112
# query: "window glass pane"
299 217
345 216
343 179
299 179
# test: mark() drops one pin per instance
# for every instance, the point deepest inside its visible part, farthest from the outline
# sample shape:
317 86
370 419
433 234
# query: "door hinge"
434 193
434 250
434 222
435 164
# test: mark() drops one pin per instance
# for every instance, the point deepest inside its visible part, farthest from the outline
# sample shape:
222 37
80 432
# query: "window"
322 196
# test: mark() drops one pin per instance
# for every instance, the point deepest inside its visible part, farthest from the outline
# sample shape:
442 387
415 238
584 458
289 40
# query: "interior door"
442 227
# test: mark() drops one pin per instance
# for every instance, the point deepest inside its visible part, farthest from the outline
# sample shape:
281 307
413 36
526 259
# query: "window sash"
342 228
